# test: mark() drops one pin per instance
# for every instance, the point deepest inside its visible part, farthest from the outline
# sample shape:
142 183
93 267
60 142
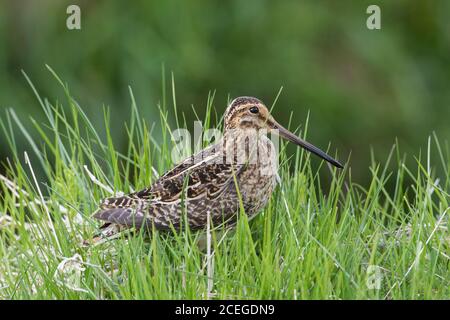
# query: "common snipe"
240 168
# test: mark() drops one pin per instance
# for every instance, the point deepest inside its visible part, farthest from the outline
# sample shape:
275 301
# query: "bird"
237 172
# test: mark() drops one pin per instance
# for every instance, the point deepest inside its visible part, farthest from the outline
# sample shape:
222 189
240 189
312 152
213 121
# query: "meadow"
385 239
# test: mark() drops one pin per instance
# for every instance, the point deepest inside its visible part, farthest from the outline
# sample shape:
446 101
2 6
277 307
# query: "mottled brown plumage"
240 166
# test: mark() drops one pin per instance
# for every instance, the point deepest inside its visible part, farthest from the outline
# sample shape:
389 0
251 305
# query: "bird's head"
251 113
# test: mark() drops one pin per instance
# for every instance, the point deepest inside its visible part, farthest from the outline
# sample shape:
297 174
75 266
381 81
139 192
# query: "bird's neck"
246 146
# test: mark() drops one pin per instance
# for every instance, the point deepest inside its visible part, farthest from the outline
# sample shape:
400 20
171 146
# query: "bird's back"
200 185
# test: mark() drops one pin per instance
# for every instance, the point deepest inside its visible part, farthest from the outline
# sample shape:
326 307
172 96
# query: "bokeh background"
364 89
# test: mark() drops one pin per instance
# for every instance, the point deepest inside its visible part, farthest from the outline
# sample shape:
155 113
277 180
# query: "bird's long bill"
285 133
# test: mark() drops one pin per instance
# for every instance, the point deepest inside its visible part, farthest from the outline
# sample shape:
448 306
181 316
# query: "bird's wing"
198 185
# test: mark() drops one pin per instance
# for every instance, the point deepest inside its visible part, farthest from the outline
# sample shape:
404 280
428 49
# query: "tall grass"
343 242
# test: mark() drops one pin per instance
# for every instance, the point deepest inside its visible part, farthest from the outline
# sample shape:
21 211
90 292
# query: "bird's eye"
254 109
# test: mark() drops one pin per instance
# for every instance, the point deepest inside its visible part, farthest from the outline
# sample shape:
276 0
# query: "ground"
321 236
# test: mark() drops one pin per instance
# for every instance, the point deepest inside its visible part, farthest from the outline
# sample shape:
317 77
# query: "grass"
345 241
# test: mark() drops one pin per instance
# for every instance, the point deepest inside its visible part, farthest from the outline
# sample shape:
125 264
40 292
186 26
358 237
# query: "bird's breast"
258 180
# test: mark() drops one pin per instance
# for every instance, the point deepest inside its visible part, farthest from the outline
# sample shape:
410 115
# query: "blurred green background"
363 88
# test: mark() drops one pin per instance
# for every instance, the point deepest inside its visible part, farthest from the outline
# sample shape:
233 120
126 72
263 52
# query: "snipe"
239 168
